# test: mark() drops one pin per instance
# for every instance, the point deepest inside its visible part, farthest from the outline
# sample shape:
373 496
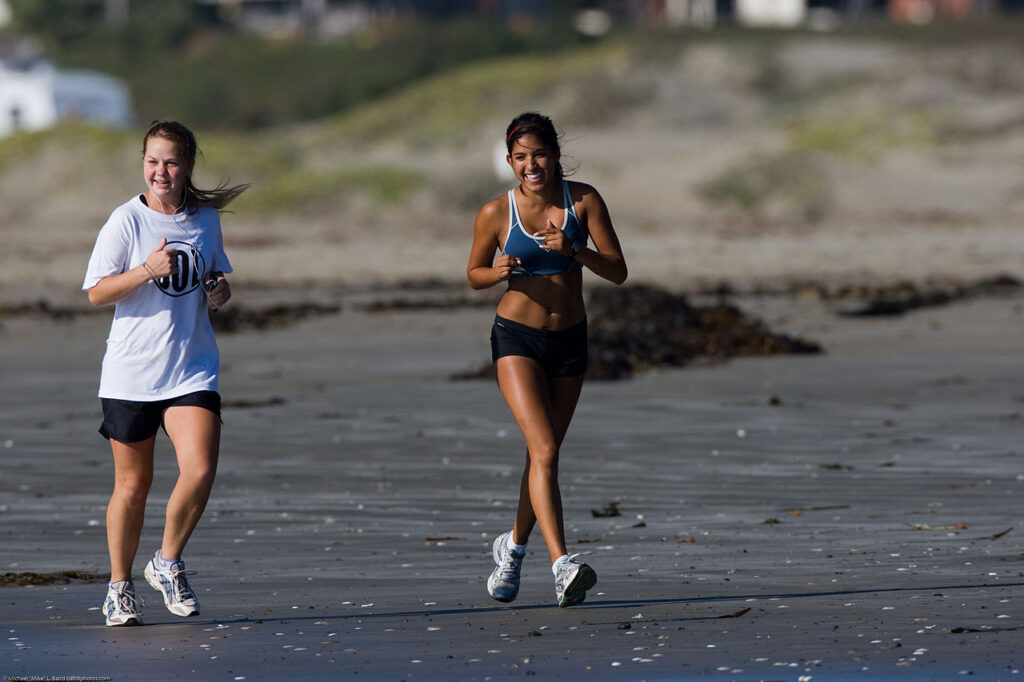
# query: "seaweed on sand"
637 328
10 579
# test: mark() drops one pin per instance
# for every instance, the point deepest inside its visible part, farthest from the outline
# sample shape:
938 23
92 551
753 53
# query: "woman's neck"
155 203
548 194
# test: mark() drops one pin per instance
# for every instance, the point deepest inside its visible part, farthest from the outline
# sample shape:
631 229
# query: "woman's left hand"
220 292
555 240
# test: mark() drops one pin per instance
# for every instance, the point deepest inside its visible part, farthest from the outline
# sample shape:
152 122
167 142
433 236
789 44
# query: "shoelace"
510 566
572 559
565 565
127 602
182 590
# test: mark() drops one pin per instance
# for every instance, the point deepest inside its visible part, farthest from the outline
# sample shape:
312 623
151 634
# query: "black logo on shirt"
191 266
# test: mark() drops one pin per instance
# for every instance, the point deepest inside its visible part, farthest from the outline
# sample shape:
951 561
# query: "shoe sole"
155 584
576 591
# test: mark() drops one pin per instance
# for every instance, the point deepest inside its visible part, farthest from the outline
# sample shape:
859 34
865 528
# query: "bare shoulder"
494 212
586 197
582 192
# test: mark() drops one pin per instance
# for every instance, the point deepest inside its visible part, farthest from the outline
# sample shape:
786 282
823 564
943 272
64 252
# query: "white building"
35 95
779 13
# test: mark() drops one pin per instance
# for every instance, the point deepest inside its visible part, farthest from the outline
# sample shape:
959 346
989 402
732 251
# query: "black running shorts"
560 353
131 421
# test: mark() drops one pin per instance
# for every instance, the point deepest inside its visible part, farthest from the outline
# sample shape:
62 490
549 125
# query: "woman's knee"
133 490
544 458
199 476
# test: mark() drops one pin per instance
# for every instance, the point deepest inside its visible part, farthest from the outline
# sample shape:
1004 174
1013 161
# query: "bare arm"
606 259
110 290
484 270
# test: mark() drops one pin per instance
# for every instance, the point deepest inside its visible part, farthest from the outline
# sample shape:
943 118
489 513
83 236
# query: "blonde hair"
182 138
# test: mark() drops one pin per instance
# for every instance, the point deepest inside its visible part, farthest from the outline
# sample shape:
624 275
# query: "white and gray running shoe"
503 584
173 585
572 580
121 607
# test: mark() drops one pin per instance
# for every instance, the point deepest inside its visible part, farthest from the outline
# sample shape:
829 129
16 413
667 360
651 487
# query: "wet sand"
831 517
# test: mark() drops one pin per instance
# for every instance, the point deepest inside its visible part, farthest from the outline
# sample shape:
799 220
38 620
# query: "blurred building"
924 11
286 18
333 18
782 13
36 95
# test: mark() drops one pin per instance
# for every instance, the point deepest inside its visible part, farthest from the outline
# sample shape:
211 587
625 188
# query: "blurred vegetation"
863 137
440 109
299 191
791 181
78 137
180 61
311 169
74 25
183 60
295 117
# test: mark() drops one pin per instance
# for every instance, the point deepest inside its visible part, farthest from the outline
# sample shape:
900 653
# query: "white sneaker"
572 580
503 584
121 607
173 585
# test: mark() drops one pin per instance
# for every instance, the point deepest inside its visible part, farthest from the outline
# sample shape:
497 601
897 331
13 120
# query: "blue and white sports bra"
533 259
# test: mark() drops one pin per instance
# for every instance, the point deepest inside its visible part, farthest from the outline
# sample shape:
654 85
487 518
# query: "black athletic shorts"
561 354
130 421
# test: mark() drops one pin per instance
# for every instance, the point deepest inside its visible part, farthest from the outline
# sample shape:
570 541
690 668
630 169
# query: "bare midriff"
552 302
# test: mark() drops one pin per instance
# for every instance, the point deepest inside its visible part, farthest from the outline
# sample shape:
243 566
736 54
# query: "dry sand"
832 517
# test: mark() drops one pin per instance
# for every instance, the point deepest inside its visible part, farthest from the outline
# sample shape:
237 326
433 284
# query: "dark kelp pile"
881 299
40 307
636 328
237 318
59 578
903 297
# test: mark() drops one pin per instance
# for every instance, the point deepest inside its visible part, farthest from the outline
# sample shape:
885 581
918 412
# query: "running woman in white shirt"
160 260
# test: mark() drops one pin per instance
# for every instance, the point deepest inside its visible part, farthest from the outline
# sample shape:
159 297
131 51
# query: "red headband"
509 138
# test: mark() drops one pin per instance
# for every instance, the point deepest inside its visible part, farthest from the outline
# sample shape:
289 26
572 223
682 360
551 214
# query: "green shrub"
305 191
792 181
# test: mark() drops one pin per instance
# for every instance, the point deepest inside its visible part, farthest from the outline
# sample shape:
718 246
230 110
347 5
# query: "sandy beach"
850 515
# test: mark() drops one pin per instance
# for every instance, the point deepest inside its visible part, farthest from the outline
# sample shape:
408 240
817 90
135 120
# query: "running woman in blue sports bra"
540 232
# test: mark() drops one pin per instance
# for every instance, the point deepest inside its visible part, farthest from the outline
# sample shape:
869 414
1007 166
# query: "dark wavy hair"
182 138
540 126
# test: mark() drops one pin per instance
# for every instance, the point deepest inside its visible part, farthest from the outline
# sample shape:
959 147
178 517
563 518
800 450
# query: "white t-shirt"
161 343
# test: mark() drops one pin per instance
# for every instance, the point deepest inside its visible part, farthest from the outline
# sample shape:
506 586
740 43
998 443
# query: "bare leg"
543 409
195 433
525 519
563 394
133 476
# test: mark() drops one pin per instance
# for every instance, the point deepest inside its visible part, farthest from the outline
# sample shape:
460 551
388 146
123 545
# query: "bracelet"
149 271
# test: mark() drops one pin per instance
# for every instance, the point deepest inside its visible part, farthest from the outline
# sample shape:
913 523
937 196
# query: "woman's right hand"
161 262
504 265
